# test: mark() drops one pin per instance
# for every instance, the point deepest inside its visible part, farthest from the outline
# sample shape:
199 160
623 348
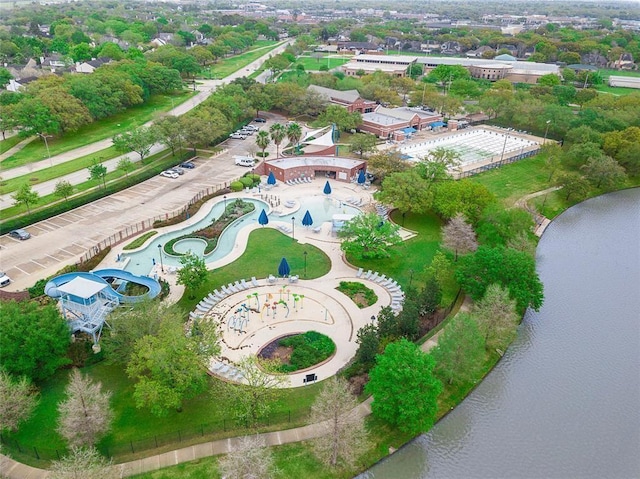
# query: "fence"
142 226
180 438
497 164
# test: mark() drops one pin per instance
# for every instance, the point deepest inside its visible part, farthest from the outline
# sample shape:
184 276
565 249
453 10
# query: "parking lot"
61 240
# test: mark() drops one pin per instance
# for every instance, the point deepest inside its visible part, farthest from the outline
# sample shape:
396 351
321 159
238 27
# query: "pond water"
564 402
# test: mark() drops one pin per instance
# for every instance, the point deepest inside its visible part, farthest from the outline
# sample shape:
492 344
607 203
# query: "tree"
340 116
192 273
368 345
407 191
260 99
294 133
463 196
362 143
85 415
497 319
170 367
98 172
405 391
18 399
263 141
253 400
574 185
125 164
512 269
498 226
195 131
83 463
34 118
169 131
33 339
63 189
369 236
128 325
249 458
604 172
459 355
458 236
26 196
5 77
278 133
386 162
343 437
139 140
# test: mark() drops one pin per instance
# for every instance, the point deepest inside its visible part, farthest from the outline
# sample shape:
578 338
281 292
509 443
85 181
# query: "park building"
396 65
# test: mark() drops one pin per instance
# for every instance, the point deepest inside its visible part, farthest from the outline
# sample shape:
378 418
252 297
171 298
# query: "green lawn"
412 255
615 90
232 64
265 249
313 63
511 182
99 130
56 171
6 145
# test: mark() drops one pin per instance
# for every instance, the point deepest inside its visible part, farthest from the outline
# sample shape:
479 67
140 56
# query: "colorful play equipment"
87 298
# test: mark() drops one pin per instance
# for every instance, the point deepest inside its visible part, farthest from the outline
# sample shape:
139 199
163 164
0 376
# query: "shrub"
236 186
246 181
309 349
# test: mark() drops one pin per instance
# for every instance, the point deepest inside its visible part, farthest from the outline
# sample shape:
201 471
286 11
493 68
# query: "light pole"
305 264
225 204
373 318
293 228
546 130
46 144
506 137
160 254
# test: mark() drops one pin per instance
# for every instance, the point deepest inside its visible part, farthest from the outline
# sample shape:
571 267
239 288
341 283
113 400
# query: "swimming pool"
141 262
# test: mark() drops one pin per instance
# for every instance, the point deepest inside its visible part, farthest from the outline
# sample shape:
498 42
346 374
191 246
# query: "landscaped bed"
359 293
299 351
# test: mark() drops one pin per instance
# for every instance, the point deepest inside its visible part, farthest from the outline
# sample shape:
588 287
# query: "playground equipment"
87 298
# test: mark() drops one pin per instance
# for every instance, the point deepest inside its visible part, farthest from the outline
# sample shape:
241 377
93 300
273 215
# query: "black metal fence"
175 439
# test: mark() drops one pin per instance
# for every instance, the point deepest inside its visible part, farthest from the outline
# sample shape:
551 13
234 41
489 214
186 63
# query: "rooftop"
335 162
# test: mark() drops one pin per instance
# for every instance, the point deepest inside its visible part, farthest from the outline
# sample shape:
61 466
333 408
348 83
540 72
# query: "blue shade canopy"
327 188
307 220
272 179
283 269
263 219
361 177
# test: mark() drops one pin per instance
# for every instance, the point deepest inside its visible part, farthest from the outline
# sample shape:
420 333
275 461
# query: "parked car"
251 127
188 165
4 279
20 234
244 161
237 136
177 169
259 120
246 131
170 174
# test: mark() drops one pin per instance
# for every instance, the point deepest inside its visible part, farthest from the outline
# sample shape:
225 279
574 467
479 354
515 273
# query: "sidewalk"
16 148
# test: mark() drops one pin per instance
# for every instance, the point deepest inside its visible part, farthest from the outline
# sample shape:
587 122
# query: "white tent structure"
321 137
85 305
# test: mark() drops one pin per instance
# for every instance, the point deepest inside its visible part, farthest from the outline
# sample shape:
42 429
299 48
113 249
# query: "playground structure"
86 299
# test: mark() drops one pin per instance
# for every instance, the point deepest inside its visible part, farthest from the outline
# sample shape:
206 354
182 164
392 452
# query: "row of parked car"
244 132
176 171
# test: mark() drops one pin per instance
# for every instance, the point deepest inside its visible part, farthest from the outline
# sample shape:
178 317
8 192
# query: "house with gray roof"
349 99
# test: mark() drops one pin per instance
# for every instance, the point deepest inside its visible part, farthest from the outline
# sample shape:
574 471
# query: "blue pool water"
141 262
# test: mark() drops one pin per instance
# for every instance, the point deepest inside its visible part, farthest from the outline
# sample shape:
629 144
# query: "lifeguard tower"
85 305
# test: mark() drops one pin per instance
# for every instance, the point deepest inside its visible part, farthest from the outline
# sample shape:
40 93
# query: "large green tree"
369 236
139 140
459 355
405 391
406 191
512 269
362 143
192 273
33 339
463 196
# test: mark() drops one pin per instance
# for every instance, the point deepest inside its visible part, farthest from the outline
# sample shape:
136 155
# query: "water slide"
51 288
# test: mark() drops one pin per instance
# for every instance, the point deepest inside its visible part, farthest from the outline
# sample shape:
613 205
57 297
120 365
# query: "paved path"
15 148
205 87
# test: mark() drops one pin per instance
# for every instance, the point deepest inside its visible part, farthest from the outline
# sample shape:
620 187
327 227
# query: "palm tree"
263 140
294 133
278 133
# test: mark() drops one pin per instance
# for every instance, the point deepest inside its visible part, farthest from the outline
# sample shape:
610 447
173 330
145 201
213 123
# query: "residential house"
90 66
17 85
55 63
350 99
480 51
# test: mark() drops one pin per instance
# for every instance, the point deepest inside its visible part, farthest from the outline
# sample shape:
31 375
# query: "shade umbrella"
284 269
307 220
361 177
272 179
263 219
327 188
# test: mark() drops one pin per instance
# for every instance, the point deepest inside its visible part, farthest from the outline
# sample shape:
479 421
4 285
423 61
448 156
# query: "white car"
237 136
4 279
170 174
244 161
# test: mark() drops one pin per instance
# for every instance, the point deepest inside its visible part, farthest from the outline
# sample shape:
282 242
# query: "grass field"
265 249
311 64
99 130
6 145
230 65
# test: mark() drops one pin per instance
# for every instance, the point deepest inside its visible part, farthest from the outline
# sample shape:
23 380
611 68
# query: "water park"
251 312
